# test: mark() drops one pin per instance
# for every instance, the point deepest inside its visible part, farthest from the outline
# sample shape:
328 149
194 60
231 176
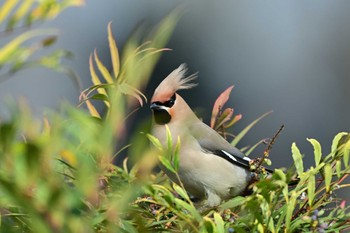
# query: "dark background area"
292 57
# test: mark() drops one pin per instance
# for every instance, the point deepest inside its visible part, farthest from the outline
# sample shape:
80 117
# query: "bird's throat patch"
161 116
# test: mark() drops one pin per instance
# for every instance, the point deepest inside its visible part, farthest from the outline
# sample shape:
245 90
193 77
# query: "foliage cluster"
57 173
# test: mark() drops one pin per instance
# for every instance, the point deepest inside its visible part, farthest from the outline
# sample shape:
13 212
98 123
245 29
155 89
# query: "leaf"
114 51
106 75
155 141
181 192
327 176
132 91
176 157
335 142
317 150
22 10
96 81
298 161
220 227
224 117
193 211
311 187
234 120
346 153
166 163
99 97
6 9
219 103
232 203
92 109
246 129
7 51
169 138
338 168
290 210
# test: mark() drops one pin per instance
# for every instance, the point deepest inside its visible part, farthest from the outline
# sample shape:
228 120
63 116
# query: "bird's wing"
212 142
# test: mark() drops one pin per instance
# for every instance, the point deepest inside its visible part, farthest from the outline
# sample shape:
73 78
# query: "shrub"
57 173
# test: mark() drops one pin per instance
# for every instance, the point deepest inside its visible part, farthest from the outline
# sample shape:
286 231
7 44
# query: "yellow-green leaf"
220 227
96 81
166 163
298 161
176 156
311 187
327 176
234 202
92 109
181 192
317 150
346 153
6 9
290 209
335 142
20 13
114 51
104 71
12 46
338 168
155 141
193 211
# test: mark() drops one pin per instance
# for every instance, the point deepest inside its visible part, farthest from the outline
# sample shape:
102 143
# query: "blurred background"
292 57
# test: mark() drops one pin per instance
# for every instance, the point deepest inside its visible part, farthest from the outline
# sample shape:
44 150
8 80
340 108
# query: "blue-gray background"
292 57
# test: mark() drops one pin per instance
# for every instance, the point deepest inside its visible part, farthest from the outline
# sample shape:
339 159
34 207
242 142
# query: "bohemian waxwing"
210 168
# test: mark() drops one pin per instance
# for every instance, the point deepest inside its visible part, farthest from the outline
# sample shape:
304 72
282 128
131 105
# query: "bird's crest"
175 81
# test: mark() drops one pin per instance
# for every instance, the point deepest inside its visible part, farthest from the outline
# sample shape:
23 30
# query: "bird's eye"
170 102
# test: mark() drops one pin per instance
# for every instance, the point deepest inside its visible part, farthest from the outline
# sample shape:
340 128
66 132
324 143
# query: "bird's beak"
155 106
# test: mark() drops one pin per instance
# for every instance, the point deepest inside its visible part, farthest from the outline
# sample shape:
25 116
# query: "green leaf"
219 222
311 187
169 139
232 203
114 51
155 141
10 48
166 163
92 110
176 155
290 210
346 153
335 142
246 129
181 192
20 13
298 161
104 71
317 150
328 176
99 97
193 211
338 168
6 9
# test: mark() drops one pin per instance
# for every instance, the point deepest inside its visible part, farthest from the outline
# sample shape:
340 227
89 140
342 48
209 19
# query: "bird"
210 168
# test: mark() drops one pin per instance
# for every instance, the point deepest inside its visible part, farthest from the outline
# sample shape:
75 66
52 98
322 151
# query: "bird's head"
166 104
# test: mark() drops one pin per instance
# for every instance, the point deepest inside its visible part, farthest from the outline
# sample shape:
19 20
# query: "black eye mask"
168 103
